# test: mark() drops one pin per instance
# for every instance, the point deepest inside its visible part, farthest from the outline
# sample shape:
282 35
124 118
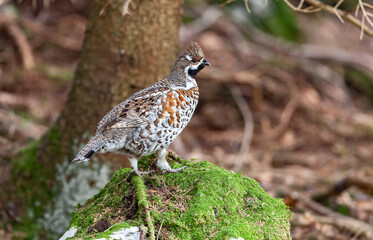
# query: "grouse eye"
194 60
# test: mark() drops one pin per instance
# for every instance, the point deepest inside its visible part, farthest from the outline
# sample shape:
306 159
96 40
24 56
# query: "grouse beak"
206 63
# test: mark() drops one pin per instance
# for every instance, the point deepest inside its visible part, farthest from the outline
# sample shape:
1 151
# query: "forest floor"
296 118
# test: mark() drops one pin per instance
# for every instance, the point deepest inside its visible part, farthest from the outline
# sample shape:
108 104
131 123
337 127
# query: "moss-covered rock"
202 202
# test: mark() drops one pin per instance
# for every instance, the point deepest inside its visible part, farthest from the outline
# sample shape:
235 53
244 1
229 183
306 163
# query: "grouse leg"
163 164
135 169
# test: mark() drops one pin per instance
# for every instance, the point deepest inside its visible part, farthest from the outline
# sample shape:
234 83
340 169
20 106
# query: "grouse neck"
178 81
191 83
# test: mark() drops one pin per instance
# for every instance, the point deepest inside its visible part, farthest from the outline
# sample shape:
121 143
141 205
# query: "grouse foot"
176 170
140 173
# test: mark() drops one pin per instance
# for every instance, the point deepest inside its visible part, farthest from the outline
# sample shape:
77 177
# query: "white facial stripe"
191 81
187 74
189 58
194 67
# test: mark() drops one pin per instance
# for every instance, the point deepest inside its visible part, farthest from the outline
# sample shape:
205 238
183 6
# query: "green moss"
37 187
143 203
204 201
156 200
359 82
57 74
222 200
109 202
53 139
343 209
279 20
31 180
140 192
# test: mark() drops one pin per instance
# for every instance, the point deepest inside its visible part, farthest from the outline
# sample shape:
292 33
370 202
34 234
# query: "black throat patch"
193 72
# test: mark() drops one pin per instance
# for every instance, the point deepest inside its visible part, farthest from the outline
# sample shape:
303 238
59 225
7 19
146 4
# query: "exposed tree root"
143 203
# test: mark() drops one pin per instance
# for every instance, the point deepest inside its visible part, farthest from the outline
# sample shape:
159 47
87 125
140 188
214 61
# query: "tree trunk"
121 55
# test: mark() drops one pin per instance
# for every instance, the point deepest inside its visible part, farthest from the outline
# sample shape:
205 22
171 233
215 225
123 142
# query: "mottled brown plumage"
151 119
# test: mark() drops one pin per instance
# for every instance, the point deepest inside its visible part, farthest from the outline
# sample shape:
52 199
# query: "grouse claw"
174 170
139 173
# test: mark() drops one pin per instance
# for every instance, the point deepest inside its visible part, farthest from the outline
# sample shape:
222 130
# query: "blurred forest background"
288 101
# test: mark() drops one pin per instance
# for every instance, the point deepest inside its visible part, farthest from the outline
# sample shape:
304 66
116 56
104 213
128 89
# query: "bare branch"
336 12
247 6
303 10
344 15
301 2
365 16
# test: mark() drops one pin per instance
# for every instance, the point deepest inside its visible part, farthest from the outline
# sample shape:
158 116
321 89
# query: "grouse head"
190 61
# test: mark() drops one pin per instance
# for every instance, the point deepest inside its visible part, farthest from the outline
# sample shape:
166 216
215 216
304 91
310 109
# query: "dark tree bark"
121 55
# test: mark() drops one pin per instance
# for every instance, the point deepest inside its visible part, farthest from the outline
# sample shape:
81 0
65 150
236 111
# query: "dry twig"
104 7
10 100
317 5
15 127
343 184
247 6
333 218
291 105
365 16
265 45
125 8
248 129
344 15
51 35
20 40
300 9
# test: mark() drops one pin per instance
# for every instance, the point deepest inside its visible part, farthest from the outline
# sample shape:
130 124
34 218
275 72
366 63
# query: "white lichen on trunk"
76 184
132 233
69 233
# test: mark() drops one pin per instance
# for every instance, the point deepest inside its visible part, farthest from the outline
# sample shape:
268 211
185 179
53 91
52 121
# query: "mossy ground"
202 202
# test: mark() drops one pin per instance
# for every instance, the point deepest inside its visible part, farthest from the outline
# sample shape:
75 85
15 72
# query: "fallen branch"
15 126
51 35
342 185
291 105
172 155
248 128
310 160
307 219
266 46
24 48
334 218
126 5
143 203
10 100
347 56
